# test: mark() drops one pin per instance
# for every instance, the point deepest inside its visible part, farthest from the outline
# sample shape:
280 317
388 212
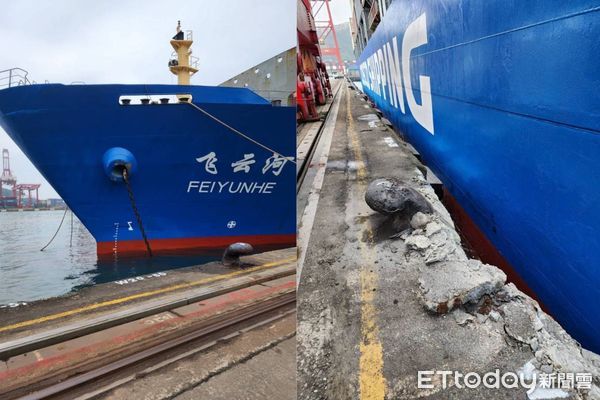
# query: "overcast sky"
340 11
127 41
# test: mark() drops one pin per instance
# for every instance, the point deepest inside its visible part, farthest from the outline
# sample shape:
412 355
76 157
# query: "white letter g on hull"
415 36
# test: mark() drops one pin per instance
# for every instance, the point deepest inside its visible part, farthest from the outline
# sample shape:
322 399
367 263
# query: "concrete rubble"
475 292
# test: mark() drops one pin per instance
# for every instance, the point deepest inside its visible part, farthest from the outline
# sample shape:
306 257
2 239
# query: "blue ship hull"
188 193
502 100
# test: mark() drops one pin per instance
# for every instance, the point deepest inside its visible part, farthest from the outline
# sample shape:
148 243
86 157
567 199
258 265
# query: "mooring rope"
135 211
231 128
56 233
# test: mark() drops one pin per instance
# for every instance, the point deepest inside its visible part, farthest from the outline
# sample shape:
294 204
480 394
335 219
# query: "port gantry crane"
17 190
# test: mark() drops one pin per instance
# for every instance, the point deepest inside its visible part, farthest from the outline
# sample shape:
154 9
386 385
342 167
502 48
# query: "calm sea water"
68 264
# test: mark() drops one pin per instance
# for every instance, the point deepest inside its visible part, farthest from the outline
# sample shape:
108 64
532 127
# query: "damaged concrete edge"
474 292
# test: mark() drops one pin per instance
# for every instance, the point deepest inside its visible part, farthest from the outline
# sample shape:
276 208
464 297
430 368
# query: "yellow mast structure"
182 46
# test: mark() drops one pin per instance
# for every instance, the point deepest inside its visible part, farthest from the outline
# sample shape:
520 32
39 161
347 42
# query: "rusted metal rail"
308 139
204 334
80 328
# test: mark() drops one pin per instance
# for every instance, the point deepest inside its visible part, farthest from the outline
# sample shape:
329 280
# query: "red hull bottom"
191 245
479 245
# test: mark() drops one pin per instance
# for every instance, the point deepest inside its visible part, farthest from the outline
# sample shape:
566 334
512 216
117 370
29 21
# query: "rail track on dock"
309 134
145 338
105 378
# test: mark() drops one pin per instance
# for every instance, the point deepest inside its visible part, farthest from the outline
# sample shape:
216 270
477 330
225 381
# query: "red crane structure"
312 84
325 28
17 190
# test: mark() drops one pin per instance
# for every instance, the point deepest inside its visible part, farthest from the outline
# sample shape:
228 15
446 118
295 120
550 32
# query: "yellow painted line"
120 300
371 380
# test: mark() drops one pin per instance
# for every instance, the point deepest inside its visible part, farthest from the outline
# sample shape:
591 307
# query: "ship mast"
184 66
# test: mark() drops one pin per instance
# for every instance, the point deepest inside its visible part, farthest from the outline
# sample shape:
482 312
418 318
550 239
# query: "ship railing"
14 77
193 60
189 35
